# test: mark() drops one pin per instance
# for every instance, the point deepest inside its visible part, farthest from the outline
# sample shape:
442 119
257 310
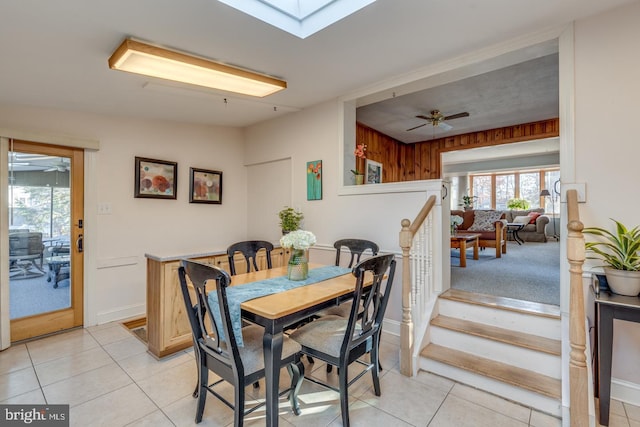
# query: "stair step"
533 342
503 303
518 377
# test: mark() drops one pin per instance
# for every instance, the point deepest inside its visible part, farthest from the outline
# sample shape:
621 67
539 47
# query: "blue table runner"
236 295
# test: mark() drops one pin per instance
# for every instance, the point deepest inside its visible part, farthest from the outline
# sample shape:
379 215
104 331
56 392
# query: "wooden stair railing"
407 234
578 376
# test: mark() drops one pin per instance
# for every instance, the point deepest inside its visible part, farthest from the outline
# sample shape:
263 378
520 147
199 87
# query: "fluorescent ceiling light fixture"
301 18
140 58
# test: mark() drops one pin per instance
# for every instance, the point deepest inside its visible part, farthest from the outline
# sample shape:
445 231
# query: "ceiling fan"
436 118
61 166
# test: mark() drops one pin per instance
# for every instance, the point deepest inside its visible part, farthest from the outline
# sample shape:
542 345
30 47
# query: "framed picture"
156 179
205 186
314 180
374 172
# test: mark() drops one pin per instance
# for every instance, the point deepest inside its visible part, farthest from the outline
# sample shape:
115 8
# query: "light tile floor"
109 379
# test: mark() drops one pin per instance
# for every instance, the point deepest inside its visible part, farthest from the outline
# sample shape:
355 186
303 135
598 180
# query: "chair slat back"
370 312
249 250
356 247
29 243
203 324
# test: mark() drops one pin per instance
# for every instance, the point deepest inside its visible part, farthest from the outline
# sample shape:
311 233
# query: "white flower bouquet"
456 220
298 239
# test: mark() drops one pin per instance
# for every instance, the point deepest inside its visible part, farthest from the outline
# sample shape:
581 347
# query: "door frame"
90 146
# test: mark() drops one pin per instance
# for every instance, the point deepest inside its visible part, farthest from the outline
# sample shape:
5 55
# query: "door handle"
80 243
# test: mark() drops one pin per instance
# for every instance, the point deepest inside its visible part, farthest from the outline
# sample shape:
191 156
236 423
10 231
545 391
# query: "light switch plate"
104 208
580 187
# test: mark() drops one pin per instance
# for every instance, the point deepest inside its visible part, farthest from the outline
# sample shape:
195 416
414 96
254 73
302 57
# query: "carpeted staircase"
507 347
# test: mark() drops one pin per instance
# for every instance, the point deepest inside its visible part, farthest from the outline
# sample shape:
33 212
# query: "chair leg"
296 372
203 380
376 364
310 359
343 380
197 355
238 412
329 368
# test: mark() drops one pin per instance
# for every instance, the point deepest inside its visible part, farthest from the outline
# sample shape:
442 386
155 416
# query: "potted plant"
521 204
619 251
290 219
467 202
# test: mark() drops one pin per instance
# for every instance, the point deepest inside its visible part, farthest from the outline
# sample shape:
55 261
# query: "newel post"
578 391
406 327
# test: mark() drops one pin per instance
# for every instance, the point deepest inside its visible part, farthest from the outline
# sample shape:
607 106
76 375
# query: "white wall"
607 146
139 226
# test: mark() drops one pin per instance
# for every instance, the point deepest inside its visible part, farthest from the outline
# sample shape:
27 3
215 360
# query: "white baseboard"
391 327
625 391
121 313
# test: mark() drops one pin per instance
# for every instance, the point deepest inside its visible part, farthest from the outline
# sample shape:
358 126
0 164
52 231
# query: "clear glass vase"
298 268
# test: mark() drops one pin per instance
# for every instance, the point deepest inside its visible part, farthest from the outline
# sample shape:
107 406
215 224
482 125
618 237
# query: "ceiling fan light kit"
141 58
436 118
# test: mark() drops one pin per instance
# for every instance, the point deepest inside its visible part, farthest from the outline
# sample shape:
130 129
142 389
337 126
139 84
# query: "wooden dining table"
276 311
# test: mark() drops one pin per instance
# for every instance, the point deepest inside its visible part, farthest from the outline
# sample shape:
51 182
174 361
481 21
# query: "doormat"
138 327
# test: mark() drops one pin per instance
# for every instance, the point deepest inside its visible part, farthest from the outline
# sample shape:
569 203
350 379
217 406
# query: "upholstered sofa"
532 231
496 238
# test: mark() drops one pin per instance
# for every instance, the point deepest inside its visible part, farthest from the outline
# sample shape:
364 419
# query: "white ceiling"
54 53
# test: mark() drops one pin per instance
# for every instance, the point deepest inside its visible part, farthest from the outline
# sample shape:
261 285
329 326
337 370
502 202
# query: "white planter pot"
623 282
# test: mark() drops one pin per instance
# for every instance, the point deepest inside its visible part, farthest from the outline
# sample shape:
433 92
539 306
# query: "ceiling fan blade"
427 118
444 126
416 127
457 116
51 169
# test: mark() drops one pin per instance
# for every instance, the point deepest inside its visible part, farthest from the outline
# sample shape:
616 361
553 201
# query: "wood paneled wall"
422 160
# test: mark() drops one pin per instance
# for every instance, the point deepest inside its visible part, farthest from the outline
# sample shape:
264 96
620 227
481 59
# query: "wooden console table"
168 329
609 306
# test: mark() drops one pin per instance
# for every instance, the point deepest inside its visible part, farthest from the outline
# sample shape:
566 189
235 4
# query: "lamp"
136 57
545 193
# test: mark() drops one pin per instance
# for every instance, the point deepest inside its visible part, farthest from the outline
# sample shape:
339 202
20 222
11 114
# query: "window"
552 183
494 190
481 188
505 190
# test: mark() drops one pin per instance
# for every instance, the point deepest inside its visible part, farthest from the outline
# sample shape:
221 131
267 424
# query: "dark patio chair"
25 250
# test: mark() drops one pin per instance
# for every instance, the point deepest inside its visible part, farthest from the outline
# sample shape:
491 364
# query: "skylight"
301 18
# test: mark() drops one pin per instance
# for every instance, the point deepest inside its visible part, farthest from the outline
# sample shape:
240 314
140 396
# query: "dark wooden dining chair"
356 248
238 365
249 249
341 341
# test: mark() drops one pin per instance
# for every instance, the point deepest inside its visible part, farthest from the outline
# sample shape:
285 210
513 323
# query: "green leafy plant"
467 201
618 250
521 204
290 219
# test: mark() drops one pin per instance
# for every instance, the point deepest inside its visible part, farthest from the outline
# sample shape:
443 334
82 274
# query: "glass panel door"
45 287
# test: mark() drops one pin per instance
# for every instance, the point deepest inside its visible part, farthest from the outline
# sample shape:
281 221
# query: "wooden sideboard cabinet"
168 329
